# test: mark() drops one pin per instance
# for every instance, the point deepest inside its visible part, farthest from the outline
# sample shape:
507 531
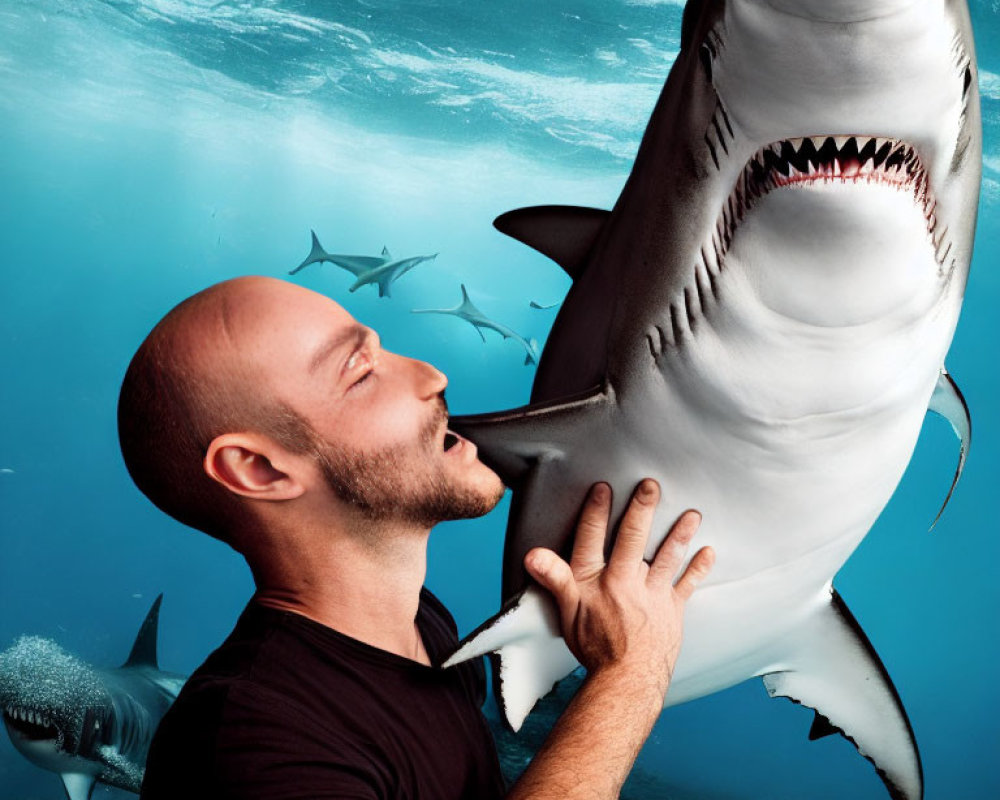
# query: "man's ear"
245 463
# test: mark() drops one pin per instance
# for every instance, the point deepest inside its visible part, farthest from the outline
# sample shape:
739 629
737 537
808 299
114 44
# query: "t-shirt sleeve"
264 748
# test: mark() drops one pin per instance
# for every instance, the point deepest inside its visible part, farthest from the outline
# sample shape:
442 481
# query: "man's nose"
431 380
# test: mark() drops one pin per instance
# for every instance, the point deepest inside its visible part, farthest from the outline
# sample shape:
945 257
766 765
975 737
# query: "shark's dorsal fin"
834 670
948 401
467 307
385 253
566 234
78 785
144 650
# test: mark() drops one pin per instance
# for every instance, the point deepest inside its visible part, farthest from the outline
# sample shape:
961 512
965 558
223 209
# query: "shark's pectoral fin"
512 441
383 287
529 654
120 770
948 401
836 672
79 786
566 234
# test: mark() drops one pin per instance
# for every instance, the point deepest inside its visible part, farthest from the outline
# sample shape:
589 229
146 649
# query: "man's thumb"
551 572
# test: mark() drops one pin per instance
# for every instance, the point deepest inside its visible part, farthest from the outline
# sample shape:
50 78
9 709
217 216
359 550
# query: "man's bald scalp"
187 384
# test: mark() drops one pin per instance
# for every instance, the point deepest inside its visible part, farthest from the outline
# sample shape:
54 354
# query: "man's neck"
366 587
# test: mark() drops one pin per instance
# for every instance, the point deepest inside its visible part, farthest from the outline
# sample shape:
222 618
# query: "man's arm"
623 621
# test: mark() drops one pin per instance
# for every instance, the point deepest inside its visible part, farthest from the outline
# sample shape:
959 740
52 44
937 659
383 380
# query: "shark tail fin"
316 254
566 234
144 650
529 655
836 672
948 401
531 356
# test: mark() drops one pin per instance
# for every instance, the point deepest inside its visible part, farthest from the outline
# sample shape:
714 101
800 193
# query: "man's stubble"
403 482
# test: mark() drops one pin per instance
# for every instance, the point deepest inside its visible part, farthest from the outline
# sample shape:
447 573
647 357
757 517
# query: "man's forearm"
594 744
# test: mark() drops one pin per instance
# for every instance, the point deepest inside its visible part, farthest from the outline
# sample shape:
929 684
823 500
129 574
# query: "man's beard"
398 482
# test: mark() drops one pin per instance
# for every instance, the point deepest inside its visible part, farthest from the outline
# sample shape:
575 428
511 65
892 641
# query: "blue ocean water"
149 148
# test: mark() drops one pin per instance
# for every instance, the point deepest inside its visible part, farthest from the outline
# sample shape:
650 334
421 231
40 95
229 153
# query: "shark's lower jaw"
30 725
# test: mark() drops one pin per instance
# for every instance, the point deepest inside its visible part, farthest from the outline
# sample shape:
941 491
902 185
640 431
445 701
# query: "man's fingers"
695 573
556 576
633 533
592 530
674 547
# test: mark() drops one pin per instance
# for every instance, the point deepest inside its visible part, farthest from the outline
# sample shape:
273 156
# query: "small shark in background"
382 270
89 725
541 307
760 324
467 310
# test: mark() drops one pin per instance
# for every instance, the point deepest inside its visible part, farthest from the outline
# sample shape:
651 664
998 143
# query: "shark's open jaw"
30 724
812 160
833 158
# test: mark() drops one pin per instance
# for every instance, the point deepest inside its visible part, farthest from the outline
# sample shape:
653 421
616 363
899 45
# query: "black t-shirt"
289 709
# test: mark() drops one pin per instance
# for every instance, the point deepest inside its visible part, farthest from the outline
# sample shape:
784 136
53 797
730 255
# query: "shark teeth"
814 159
28 715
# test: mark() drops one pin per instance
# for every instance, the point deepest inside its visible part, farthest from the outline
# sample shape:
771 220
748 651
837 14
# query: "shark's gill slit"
718 131
711 149
689 309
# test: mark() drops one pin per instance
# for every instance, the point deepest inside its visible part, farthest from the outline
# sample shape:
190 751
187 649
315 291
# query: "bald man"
264 415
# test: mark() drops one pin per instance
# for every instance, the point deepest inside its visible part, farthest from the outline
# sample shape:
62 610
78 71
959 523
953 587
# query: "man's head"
256 391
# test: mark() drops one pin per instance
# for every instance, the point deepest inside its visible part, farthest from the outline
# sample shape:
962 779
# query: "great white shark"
760 323
88 725
381 271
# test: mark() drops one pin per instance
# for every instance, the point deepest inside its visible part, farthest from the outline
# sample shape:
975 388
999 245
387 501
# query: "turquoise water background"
149 148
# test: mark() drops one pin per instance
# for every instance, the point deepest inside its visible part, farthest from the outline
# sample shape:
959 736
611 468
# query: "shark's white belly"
790 443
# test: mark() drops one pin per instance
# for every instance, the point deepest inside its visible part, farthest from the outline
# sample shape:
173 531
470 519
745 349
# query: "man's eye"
362 378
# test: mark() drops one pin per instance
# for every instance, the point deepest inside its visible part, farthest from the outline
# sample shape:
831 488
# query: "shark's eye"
706 54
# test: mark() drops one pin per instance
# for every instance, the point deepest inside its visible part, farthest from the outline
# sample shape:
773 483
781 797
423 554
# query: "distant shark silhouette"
541 307
87 724
467 310
760 324
382 270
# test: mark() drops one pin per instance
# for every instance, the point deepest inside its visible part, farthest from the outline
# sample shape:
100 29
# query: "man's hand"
625 613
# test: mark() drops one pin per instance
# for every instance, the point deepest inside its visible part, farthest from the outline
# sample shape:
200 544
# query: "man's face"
379 420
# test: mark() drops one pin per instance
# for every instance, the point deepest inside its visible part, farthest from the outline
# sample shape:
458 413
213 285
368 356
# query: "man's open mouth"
450 440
